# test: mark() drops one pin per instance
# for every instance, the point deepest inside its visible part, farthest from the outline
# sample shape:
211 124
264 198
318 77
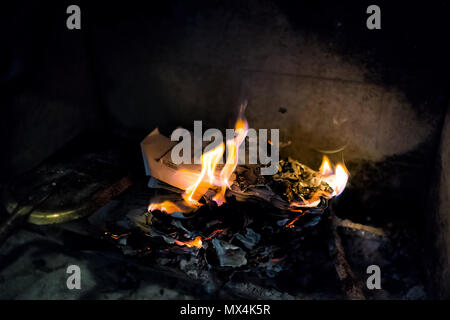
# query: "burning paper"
292 188
195 183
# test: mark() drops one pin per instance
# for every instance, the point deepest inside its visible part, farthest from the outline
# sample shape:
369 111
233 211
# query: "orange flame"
291 224
207 177
341 178
197 242
165 206
209 162
325 167
241 128
337 179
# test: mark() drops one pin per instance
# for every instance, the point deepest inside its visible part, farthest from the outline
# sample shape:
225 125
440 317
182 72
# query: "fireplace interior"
77 105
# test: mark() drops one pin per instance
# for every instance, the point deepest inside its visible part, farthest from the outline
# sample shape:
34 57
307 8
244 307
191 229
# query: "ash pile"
237 246
255 245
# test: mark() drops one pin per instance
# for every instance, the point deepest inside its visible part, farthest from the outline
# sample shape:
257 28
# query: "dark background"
301 64
57 83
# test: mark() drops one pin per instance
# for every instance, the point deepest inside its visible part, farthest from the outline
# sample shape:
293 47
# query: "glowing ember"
291 224
314 202
116 236
214 233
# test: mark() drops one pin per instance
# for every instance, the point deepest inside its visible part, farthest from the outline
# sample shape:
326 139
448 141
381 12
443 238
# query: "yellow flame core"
209 162
341 178
241 128
325 167
336 179
207 177
165 206
197 242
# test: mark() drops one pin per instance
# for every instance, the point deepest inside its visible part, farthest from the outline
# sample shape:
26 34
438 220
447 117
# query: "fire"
197 242
337 179
209 162
207 177
165 206
325 167
291 224
241 128
341 178
219 182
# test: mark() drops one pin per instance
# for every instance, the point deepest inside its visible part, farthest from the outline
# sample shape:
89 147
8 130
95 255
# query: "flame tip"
337 178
